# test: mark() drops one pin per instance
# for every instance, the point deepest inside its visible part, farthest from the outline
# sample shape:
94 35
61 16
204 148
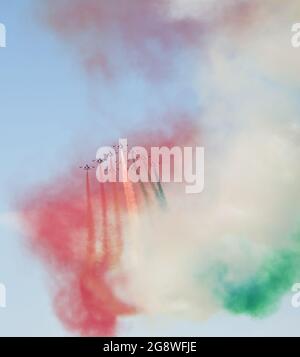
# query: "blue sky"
46 106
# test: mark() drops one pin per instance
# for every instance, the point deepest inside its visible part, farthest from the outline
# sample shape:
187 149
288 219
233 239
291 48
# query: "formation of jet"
101 160
86 167
118 147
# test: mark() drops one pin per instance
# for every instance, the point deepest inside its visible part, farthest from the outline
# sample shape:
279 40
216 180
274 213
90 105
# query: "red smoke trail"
137 27
89 304
96 297
152 184
142 186
144 191
118 244
128 188
94 287
90 222
60 222
140 29
104 222
112 238
61 225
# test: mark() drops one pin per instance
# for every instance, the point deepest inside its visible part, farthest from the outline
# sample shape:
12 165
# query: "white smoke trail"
251 202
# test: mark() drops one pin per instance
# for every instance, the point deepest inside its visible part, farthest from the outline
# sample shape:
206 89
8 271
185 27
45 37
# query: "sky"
47 107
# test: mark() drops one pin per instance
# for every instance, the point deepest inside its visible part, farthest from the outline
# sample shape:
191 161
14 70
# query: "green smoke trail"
260 294
160 192
161 195
144 191
157 188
